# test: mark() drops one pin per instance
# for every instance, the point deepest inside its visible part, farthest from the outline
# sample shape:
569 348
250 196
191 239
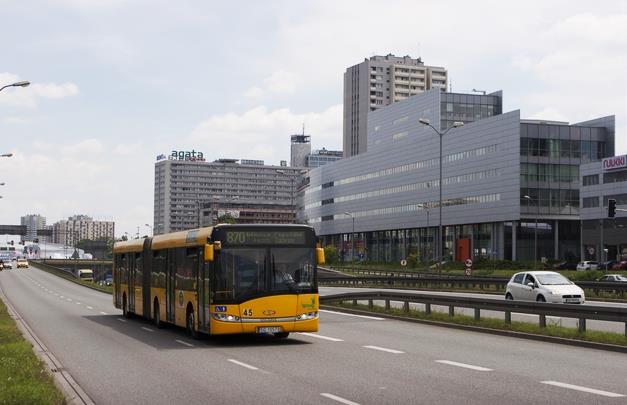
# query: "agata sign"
191 156
615 162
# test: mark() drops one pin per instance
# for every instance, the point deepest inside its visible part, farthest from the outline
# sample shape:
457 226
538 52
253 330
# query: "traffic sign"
468 262
403 262
468 271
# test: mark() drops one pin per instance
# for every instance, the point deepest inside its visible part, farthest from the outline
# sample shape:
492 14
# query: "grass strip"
23 377
498 324
70 277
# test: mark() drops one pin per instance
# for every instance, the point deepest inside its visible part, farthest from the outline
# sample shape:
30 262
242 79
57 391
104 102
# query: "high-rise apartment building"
80 227
33 222
380 81
191 193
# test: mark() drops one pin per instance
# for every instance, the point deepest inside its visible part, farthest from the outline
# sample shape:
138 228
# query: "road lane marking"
78 303
470 366
88 307
57 294
584 389
383 349
239 363
184 343
121 320
338 399
376 318
69 300
103 313
332 339
148 329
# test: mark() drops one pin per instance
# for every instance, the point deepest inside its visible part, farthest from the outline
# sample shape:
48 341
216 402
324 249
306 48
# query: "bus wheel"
191 331
281 335
125 312
156 316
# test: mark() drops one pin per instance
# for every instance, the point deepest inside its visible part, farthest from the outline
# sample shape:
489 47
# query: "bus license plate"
269 329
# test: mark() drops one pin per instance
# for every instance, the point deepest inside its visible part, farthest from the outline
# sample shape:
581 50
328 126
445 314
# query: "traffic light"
611 208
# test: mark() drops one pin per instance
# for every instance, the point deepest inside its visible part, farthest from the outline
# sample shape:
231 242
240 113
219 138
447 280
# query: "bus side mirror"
209 253
320 256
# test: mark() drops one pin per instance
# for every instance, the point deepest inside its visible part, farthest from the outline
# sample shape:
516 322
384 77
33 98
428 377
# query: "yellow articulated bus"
226 279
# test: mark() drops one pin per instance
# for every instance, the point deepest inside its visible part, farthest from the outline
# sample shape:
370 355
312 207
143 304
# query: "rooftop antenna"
450 85
479 91
303 129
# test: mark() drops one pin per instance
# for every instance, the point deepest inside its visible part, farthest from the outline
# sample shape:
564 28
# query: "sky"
116 83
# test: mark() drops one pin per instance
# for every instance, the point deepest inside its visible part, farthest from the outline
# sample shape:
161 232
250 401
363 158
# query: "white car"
587 265
544 286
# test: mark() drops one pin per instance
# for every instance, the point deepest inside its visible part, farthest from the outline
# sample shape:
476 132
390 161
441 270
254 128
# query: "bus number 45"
248 312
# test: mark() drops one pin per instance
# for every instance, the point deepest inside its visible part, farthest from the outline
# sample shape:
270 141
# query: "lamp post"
6 155
456 124
535 232
425 207
283 172
150 227
16 84
352 215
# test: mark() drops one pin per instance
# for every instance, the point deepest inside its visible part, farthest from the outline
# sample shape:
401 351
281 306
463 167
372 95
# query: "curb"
73 393
508 333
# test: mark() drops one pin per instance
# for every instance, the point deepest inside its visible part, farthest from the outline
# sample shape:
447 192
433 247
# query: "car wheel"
281 335
540 298
509 297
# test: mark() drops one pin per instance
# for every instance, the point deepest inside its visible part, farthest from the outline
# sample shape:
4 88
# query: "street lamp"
151 231
425 207
535 233
456 124
352 215
16 84
6 155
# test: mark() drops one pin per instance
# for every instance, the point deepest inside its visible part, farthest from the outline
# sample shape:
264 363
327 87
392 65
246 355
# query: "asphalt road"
352 360
604 326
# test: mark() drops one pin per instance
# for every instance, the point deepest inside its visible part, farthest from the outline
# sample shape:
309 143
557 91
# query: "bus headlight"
306 317
226 318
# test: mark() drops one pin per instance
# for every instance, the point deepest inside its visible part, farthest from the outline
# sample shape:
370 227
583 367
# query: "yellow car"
22 263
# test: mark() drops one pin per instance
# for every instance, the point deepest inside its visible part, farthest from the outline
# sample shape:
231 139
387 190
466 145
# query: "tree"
227 219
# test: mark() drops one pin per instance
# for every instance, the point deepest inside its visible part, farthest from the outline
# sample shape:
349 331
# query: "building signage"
616 162
191 156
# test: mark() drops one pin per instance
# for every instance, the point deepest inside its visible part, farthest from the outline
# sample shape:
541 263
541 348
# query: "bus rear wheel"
191 331
281 335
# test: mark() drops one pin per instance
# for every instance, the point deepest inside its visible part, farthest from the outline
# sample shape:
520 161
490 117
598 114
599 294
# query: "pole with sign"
468 264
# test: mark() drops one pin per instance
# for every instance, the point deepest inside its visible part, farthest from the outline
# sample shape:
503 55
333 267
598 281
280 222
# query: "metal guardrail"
580 312
414 280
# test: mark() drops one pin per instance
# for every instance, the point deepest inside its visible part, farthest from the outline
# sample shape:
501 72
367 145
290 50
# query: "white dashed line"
376 318
239 363
583 389
383 349
61 297
147 329
78 303
57 294
338 399
121 320
103 313
184 343
88 307
314 335
69 300
470 366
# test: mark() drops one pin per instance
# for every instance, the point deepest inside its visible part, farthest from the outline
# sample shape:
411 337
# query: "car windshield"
244 273
552 279
621 278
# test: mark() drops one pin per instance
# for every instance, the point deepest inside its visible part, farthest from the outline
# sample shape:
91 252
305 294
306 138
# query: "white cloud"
279 82
15 120
260 133
86 148
253 92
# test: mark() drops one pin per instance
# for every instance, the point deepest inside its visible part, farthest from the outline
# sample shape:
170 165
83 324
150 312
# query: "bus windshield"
245 273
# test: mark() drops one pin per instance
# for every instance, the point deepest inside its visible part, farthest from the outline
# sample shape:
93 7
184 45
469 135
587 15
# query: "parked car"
622 265
22 263
587 265
543 286
565 266
613 278
607 265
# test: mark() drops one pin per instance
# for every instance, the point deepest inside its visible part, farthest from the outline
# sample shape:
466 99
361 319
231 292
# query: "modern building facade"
377 82
191 193
80 227
501 176
322 156
33 222
604 238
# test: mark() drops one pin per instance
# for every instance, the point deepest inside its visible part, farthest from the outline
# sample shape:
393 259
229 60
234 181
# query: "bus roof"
133 245
192 237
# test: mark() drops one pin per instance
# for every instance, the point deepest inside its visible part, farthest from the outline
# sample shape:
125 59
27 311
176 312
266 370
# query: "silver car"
544 286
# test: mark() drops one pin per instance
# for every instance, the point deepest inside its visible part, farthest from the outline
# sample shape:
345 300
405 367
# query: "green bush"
413 260
330 255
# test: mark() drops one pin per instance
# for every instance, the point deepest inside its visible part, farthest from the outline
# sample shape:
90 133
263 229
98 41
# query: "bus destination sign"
265 237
